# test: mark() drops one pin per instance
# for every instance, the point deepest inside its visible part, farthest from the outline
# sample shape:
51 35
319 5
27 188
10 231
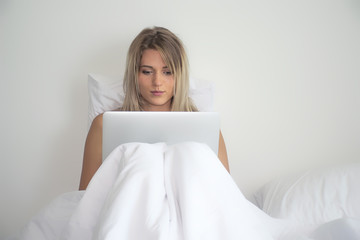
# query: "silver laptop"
153 127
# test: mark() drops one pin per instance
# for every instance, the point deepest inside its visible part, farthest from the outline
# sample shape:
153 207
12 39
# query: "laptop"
152 127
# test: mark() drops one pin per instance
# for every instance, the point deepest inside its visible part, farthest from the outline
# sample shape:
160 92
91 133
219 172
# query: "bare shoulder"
97 122
94 138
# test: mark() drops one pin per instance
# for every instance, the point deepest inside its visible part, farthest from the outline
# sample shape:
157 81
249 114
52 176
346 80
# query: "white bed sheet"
155 191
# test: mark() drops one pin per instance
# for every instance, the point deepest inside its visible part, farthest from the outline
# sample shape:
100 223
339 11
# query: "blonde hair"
173 53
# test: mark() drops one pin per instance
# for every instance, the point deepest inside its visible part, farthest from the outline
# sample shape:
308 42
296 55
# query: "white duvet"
155 191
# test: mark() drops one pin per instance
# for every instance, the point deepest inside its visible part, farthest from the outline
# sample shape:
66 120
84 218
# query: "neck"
161 108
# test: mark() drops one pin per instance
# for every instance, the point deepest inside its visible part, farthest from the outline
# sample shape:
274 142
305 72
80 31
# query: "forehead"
151 57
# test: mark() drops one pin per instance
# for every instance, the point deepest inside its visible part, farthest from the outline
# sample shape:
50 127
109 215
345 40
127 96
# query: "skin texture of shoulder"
93 152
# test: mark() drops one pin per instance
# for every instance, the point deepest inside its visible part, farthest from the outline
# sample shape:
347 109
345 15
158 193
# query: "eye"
167 73
146 72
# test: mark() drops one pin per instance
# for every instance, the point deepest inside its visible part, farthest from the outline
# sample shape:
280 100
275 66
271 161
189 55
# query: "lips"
157 93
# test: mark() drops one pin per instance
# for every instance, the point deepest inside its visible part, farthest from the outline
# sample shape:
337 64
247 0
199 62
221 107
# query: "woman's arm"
222 154
92 152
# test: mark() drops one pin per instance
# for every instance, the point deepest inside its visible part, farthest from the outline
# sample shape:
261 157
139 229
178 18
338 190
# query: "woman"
156 79
153 191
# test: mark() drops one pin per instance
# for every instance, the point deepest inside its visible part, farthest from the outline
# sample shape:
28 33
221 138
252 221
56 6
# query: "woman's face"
156 82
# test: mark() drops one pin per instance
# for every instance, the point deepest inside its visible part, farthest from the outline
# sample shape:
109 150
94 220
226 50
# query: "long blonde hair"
173 53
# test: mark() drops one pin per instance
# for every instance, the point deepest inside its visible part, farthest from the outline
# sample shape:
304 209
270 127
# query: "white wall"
287 75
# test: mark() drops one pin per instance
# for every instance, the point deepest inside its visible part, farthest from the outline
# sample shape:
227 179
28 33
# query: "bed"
317 204
326 201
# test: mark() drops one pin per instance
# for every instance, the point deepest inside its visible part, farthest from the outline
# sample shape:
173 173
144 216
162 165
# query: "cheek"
142 83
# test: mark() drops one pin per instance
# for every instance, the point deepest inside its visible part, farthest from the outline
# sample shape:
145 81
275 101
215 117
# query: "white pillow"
316 197
106 93
344 228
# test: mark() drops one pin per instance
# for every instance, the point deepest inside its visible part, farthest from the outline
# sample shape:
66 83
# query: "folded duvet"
156 191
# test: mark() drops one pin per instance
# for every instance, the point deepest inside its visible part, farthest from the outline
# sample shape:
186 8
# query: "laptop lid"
152 127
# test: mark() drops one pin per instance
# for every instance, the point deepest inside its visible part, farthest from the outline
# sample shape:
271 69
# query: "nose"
157 79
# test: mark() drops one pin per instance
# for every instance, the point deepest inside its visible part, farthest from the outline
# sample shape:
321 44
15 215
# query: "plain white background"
287 78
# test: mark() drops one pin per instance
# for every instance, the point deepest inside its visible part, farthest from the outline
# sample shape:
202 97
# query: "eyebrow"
151 66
